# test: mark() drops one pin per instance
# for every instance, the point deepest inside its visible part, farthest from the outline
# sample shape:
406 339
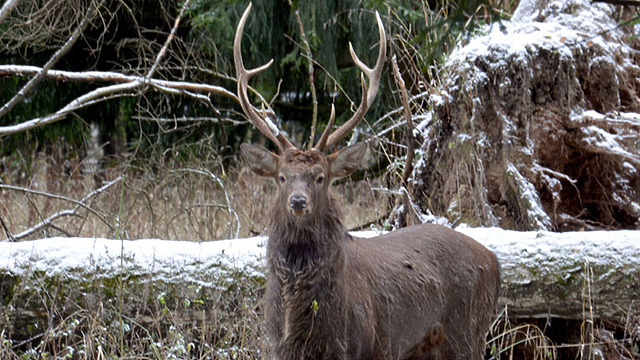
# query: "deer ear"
346 160
261 161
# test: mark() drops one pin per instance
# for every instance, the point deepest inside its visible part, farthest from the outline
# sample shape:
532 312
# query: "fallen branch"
78 103
189 119
126 83
545 274
69 212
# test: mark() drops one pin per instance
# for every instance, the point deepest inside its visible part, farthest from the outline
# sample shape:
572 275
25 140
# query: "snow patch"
529 195
165 259
596 136
556 28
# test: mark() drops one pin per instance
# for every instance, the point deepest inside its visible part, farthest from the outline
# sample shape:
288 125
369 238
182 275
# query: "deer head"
305 175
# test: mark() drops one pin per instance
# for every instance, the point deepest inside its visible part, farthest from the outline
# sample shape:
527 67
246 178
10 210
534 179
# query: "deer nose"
298 203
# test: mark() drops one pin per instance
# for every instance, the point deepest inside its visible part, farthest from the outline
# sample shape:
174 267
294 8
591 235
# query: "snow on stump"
538 123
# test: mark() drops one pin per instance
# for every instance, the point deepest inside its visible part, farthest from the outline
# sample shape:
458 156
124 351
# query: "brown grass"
46 317
192 201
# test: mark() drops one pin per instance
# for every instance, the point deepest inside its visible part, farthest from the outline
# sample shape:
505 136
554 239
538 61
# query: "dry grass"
558 339
193 201
46 317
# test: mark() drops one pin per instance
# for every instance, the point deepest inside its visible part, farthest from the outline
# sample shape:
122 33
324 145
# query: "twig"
423 95
172 34
45 223
309 56
6 8
69 212
17 98
6 230
408 166
227 198
45 194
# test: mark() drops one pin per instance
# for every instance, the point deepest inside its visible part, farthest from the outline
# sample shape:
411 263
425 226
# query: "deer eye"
320 179
282 179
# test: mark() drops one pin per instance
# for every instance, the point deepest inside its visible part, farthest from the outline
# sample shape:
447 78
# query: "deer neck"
302 244
306 261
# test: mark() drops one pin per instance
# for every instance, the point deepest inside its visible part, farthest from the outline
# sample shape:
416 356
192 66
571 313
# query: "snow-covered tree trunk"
537 124
566 275
543 273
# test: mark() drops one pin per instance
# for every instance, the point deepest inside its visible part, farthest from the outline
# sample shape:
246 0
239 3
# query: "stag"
423 292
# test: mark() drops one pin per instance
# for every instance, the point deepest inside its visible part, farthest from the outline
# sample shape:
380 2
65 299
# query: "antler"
263 123
367 94
322 142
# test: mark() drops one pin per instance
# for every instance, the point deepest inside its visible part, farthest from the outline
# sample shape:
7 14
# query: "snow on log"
544 273
549 274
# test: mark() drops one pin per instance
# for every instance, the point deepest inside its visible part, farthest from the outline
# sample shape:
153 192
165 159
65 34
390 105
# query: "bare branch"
168 41
130 83
408 167
19 97
6 8
190 119
74 105
69 212
109 76
309 56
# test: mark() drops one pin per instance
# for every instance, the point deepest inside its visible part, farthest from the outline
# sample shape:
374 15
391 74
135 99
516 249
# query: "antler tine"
327 130
266 126
368 95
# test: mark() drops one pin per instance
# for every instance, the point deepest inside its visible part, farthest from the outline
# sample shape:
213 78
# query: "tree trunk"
543 274
566 274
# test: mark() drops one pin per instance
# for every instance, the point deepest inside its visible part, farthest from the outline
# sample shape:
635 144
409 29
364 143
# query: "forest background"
119 120
169 142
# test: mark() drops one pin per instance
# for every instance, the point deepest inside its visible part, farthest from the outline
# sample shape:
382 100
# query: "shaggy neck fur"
304 243
306 260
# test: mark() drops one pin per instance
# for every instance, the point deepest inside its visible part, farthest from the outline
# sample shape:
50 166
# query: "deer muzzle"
298 204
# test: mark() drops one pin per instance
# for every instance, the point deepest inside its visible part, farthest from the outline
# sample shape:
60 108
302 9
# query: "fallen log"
544 274
564 275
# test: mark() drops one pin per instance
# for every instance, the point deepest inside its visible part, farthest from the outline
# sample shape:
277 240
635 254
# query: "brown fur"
424 292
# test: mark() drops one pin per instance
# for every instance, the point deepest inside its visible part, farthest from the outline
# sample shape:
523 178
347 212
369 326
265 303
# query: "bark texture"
537 124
